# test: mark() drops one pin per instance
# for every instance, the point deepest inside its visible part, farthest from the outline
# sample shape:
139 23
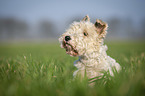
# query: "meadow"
46 70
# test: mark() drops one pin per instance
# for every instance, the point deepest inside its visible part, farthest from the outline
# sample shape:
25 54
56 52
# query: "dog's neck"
95 53
92 60
93 57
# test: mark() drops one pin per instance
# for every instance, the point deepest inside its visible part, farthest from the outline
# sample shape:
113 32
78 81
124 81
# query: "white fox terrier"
85 39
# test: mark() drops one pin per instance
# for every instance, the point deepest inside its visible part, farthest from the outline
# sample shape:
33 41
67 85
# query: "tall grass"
45 69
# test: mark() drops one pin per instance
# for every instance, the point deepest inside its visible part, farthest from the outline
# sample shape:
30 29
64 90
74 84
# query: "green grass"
45 69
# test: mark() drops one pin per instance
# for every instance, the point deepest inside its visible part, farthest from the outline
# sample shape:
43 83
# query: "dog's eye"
85 33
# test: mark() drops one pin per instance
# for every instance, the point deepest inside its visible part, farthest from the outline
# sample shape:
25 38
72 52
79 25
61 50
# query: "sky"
61 10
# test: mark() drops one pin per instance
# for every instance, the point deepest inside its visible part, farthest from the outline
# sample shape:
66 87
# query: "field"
45 69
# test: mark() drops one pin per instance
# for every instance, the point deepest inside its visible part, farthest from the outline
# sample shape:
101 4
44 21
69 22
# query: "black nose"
67 38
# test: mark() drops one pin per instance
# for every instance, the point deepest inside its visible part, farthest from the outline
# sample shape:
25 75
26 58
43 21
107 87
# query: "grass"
45 69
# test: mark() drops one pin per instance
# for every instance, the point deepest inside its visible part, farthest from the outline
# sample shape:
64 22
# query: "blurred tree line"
13 29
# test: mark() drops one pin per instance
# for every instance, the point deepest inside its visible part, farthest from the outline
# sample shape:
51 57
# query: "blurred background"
45 20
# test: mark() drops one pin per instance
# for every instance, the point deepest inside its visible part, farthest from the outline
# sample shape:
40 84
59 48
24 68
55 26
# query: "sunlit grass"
45 69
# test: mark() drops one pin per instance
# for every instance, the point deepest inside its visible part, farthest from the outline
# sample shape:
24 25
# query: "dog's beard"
69 49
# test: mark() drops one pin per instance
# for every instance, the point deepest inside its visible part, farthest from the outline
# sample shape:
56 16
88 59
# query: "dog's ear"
86 18
101 28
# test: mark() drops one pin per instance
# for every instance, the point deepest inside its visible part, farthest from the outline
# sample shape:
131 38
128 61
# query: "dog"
86 40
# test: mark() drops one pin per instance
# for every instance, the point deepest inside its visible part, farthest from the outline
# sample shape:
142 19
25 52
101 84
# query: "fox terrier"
85 39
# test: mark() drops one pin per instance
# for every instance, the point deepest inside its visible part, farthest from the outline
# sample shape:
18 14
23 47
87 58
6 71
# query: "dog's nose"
67 38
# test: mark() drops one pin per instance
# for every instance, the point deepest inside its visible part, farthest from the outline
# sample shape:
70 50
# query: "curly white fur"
86 41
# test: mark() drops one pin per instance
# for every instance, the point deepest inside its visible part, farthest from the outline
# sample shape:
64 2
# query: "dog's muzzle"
68 47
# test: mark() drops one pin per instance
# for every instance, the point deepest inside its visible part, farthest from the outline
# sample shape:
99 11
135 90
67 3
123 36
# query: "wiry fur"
89 47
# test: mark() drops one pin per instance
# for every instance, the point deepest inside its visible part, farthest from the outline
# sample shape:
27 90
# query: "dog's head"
83 37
